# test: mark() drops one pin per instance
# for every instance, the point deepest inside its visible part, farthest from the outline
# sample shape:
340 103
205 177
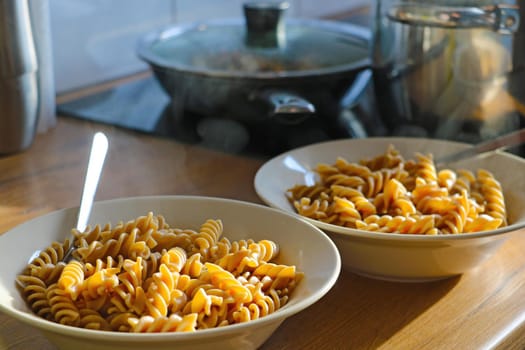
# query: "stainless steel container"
442 69
19 97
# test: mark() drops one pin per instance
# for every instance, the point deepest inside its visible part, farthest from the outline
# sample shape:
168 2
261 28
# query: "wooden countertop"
479 310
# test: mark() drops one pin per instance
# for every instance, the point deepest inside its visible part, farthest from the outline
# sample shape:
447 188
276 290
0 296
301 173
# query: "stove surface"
143 106
136 105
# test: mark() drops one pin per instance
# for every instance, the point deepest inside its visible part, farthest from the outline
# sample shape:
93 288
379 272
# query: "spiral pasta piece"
316 209
344 180
446 178
348 168
390 159
303 191
174 259
172 323
52 255
407 225
92 319
493 195
426 169
193 265
281 274
208 235
34 291
346 212
119 321
72 278
249 258
482 222
158 295
63 308
225 280
362 204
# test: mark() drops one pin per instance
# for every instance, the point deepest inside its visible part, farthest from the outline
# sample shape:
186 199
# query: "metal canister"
19 96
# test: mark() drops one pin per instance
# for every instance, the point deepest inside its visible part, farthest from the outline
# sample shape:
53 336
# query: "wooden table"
482 309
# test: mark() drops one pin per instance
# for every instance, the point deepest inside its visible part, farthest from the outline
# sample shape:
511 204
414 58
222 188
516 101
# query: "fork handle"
499 143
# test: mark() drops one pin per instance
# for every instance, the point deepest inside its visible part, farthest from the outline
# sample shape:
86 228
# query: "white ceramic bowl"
398 257
301 244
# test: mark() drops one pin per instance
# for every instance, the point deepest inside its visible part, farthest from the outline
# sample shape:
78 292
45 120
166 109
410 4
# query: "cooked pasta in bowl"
392 210
163 272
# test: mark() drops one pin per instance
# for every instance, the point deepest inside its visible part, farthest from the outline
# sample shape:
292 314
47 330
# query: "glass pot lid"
260 45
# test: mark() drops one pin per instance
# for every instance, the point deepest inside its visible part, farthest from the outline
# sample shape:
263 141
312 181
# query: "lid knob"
264 22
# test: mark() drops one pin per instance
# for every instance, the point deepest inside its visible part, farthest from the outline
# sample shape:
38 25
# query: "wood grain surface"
479 310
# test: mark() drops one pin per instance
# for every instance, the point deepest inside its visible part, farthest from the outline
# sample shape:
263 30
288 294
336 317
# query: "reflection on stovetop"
135 105
143 106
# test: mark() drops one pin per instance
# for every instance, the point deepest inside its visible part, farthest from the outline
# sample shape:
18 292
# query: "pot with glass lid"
448 68
259 67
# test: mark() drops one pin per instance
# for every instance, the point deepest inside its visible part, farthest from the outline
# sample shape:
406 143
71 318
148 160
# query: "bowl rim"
398 237
279 315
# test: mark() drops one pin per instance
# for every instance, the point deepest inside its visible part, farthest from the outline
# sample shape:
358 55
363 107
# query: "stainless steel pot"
444 69
260 67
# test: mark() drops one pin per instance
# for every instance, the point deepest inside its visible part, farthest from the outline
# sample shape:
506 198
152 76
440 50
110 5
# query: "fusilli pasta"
144 276
391 194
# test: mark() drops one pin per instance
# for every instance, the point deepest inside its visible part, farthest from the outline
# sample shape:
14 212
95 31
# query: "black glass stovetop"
143 106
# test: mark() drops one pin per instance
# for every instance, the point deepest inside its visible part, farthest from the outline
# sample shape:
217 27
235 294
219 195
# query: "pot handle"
286 107
500 18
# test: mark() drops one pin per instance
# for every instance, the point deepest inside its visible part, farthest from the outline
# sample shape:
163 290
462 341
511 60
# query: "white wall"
94 40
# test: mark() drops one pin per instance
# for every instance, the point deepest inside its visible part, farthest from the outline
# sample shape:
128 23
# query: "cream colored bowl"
301 244
398 257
